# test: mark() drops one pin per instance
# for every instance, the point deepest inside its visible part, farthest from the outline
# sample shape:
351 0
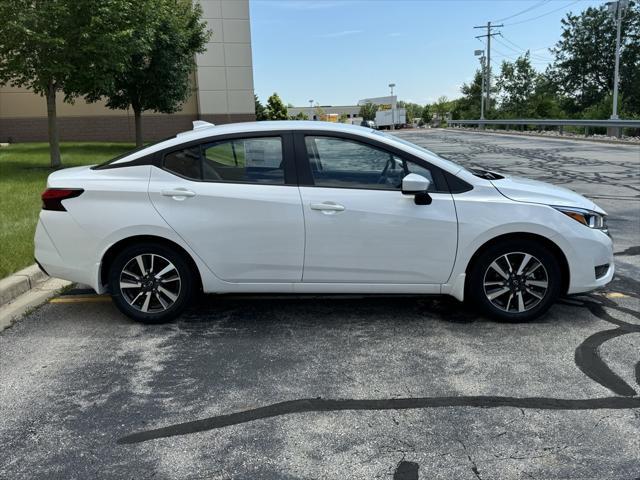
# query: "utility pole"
488 26
616 9
482 59
393 106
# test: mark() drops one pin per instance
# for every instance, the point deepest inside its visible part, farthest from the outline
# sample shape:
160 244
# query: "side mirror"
417 185
414 183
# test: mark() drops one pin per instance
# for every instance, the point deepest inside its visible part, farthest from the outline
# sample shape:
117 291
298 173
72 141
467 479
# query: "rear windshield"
130 152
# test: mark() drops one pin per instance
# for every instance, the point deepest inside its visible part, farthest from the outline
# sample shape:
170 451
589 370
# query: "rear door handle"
327 207
178 192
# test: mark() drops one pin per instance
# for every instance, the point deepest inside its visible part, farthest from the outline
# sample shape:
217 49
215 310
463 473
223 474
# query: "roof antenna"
200 124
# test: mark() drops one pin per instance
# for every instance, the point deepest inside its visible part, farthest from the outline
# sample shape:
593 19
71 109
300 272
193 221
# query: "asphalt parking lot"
254 387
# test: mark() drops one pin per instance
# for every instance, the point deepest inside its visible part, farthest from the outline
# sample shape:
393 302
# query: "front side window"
250 160
338 162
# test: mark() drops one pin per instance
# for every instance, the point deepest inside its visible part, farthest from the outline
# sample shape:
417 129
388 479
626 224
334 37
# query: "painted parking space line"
81 299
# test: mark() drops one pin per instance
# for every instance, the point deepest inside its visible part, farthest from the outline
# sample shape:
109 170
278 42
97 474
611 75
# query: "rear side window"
246 160
185 163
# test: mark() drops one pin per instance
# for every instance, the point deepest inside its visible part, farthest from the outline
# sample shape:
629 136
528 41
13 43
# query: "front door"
234 201
361 228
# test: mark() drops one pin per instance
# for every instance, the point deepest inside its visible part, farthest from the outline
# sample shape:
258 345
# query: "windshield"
454 165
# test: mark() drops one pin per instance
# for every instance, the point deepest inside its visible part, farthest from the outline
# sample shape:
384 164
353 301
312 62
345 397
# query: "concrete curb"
36 296
20 282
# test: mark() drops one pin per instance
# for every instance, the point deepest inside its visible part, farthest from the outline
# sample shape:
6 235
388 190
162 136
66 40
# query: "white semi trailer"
386 118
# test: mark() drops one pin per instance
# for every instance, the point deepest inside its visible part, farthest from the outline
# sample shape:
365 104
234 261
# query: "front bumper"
586 250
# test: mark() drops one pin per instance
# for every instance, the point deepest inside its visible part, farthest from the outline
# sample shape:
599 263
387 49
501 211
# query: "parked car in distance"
368 124
315 207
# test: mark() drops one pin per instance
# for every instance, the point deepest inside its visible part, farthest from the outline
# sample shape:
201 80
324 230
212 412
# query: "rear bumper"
55 264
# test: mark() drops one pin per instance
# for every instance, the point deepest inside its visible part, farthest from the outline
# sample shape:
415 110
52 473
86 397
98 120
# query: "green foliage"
368 111
23 177
300 116
319 112
167 35
426 114
413 110
516 84
468 106
441 107
343 118
578 84
71 47
74 45
585 57
276 110
261 112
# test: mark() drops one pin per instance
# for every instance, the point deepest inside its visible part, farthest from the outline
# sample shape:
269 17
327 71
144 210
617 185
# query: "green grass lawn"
24 168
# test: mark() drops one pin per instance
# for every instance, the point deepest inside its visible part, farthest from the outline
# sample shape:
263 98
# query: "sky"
337 52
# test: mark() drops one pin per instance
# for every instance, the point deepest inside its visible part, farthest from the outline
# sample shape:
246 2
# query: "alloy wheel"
150 283
516 282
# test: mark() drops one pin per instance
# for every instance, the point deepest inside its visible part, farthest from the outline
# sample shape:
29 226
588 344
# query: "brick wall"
107 128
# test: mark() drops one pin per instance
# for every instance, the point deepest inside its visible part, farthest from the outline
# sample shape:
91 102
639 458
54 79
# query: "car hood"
533 191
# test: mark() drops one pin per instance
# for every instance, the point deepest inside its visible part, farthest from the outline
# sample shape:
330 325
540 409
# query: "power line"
521 52
523 11
543 15
528 49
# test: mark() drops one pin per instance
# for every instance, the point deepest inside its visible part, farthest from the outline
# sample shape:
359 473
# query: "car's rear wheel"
150 283
515 280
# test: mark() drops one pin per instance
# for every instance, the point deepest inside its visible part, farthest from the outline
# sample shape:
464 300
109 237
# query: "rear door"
235 202
360 227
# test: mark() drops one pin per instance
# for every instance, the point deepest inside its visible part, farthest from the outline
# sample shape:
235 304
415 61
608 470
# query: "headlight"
588 218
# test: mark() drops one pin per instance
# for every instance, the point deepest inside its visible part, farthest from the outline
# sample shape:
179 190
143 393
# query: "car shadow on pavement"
587 357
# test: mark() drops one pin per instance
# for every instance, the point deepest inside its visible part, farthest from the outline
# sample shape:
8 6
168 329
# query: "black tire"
166 300
484 281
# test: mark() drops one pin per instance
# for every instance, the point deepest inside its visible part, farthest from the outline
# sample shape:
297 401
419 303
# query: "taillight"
52 197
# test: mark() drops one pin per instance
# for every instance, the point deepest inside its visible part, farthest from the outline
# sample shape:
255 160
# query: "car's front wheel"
515 280
150 283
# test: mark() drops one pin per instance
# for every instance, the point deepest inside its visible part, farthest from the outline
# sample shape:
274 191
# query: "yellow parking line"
81 299
615 295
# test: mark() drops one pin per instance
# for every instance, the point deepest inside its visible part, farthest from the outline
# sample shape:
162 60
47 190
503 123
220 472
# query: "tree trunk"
138 121
52 120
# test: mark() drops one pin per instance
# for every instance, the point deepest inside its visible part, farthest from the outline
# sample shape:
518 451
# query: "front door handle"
178 193
327 207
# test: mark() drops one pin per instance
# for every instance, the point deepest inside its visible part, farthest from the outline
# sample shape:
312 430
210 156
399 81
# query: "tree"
158 72
319 112
468 106
426 114
71 47
368 111
275 108
300 116
343 118
441 107
261 112
413 110
516 83
585 56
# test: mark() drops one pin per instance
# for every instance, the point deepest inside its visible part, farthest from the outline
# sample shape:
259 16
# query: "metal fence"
586 124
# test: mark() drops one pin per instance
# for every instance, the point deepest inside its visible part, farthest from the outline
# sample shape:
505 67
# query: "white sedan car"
314 207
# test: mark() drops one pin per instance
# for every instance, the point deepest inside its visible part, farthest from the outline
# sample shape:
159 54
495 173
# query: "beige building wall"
222 92
225 72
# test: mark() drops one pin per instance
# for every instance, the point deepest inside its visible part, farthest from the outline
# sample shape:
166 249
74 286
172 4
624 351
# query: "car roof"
204 130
